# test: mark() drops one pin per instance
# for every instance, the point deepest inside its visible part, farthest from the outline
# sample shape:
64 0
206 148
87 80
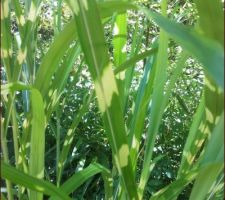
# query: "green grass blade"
204 121
54 55
209 52
129 74
16 135
157 107
58 18
194 132
59 82
5 156
212 163
108 185
134 59
70 136
19 154
27 42
119 51
61 43
214 149
81 176
37 143
120 38
172 190
204 183
32 39
108 8
20 178
6 40
168 91
14 86
143 98
211 19
19 17
208 166
217 191
90 32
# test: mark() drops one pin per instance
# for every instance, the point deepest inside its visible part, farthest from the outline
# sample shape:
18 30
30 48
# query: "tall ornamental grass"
203 154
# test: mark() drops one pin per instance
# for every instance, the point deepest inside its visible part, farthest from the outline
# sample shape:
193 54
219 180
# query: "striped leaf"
212 162
90 32
119 52
6 40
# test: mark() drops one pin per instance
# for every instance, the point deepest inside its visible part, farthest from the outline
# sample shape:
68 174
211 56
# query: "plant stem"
6 159
57 142
15 135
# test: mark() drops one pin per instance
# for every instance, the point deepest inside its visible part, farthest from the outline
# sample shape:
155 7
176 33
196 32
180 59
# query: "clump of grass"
42 87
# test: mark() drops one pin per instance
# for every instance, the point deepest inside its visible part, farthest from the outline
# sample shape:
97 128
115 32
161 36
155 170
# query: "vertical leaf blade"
119 42
157 107
37 144
90 33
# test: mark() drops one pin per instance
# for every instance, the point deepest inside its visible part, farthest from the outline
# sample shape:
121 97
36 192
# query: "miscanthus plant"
41 87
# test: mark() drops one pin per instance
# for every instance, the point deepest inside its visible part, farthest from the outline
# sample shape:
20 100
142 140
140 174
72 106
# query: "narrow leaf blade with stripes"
90 32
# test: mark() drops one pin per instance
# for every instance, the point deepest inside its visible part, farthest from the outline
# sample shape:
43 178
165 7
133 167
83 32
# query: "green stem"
15 136
6 160
58 17
59 14
16 143
57 141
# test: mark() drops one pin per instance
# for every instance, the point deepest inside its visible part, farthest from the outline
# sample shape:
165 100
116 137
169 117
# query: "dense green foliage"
112 99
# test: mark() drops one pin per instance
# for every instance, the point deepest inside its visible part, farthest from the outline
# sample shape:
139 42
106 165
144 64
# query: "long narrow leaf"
37 143
20 178
92 41
131 61
211 19
157 106
212 161
207 51
80 177
119 43
174 189
69 137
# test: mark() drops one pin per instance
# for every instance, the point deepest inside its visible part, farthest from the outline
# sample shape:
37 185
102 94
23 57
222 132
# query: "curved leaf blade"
20 178
209 52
